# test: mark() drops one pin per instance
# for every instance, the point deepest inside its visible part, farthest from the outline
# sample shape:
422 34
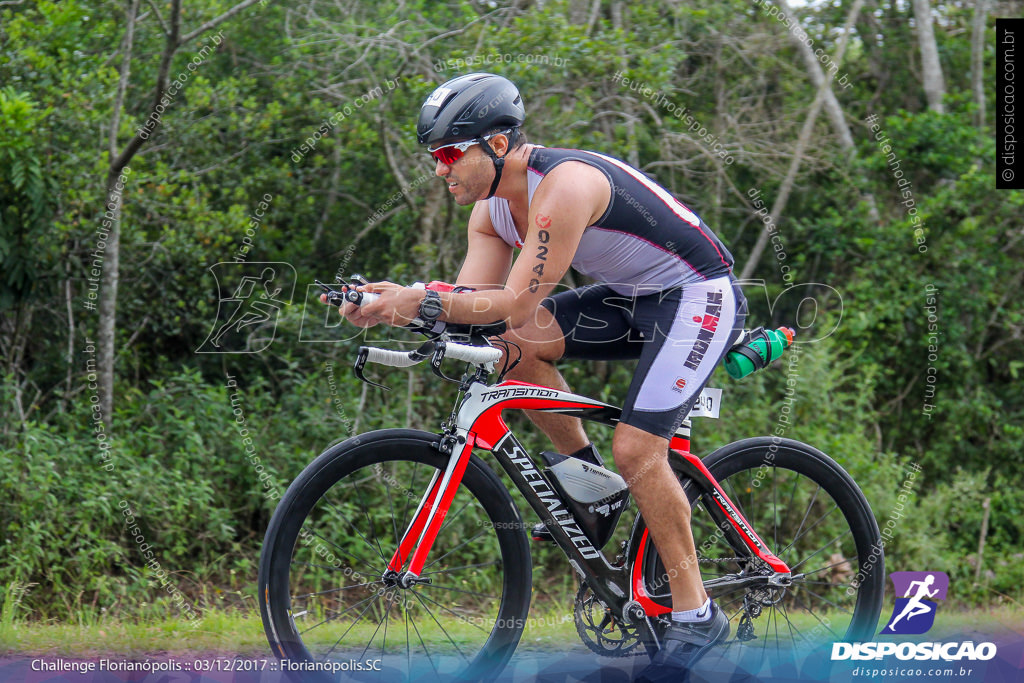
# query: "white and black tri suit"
666 292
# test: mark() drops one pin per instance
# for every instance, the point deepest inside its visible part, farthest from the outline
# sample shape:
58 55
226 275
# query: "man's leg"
642 459
542 343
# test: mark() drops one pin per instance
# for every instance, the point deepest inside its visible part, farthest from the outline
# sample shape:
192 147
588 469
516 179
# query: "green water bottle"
759 348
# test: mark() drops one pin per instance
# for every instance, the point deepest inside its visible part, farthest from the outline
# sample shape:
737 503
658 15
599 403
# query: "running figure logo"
251 297
914 612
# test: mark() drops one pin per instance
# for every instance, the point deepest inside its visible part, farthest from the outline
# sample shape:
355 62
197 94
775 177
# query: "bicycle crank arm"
633 613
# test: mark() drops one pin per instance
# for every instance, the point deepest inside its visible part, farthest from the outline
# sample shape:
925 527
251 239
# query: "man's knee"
636 451
540 338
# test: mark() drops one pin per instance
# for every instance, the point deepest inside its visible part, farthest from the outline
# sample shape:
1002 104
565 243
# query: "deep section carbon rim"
812 516
333 604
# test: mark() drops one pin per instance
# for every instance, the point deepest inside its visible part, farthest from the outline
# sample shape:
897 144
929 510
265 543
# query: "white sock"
702 613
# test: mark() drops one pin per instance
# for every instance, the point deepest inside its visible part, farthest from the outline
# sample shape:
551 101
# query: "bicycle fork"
426 522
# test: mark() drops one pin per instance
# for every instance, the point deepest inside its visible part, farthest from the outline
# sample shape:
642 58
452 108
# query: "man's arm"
488 257
570 198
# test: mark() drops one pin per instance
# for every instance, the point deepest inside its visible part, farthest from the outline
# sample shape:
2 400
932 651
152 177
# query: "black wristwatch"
431 308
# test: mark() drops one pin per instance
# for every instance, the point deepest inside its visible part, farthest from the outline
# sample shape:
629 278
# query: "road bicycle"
403 553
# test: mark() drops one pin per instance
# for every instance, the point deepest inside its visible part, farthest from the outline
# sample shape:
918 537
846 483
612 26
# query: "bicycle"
404 549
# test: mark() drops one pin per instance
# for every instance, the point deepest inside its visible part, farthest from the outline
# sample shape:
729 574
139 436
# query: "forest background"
843 150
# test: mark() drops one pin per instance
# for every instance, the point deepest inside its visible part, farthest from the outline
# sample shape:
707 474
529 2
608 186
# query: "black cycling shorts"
679 335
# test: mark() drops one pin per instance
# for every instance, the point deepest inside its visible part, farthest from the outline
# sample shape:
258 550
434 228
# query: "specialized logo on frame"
250 299
914 612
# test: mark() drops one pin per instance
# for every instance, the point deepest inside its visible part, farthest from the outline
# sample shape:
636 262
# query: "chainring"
600 631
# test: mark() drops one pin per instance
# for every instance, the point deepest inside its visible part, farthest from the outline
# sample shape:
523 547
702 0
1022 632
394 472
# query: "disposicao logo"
914 613
917 599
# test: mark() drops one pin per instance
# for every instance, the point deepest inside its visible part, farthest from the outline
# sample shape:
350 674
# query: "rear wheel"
326 600
813 516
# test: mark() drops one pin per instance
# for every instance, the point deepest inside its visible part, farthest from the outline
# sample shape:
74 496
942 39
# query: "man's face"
469 178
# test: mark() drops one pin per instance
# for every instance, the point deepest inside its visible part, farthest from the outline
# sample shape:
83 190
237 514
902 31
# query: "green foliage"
229 137
26 195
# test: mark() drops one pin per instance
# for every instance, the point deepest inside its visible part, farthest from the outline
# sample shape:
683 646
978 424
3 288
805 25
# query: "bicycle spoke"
775 510
338 616
359 494
464 543
449 518
785 615
387 609
317 566
465 566
425 650
447 635
408 500
824 599
334 508
333 590
458 590
806 513
826 567
812 613
816 523
452 612
384 643
394 522
342 550
350 627
803 561
408 643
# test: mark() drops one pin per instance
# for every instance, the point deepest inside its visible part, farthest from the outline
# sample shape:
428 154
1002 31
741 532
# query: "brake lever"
357 368
418 354
435 364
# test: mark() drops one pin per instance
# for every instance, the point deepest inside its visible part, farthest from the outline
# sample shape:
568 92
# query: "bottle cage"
743 347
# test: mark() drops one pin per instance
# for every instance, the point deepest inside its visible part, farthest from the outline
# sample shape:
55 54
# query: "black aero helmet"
466 107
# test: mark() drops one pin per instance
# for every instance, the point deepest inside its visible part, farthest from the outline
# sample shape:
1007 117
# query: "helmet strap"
499 162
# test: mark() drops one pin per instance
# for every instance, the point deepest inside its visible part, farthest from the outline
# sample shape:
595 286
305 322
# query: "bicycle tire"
854 564
309 524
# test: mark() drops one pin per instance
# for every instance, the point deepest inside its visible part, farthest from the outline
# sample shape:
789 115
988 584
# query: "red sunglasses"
449 154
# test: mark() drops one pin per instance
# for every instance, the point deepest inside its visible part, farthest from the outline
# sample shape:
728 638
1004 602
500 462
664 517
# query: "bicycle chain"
720 560
630 638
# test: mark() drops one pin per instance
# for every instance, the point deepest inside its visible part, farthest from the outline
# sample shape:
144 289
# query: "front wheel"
813 516
326 603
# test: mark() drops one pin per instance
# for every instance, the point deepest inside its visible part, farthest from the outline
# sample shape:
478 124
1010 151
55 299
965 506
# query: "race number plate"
707 404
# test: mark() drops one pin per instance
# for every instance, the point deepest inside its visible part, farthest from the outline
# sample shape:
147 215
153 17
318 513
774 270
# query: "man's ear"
499 143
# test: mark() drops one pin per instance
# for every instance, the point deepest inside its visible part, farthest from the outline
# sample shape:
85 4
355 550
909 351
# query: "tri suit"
665 291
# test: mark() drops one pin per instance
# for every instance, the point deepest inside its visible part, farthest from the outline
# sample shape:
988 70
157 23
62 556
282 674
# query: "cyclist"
665 295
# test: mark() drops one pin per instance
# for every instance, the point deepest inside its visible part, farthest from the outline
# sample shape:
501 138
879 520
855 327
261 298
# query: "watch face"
431 307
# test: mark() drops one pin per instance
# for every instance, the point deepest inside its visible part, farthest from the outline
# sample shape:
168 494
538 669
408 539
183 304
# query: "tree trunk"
632 153
106 335
822 97
934 87
978 60
831 103
106 332
817 75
